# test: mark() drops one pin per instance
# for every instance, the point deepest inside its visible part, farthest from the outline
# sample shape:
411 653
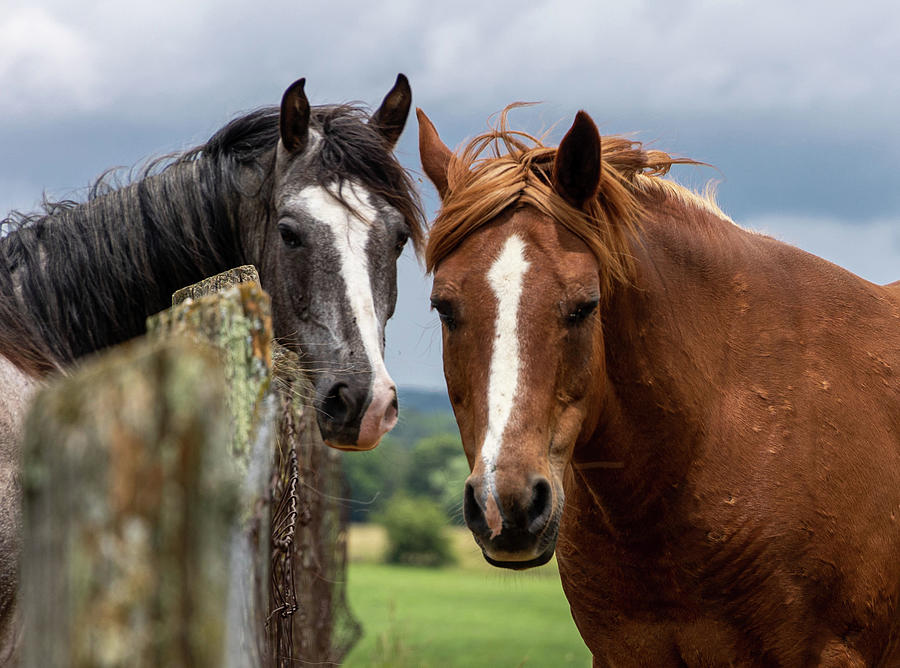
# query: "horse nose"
473 511
380 417
354 416
512 519
338 412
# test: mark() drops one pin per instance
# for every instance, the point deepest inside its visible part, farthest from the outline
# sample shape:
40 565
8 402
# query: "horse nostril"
391 413
339 403
472 512
541 505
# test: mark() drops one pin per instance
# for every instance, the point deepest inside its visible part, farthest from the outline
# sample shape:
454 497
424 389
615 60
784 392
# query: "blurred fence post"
127 502
109 495
300 502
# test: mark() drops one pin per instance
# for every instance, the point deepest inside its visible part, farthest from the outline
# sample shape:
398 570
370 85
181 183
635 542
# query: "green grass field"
468 615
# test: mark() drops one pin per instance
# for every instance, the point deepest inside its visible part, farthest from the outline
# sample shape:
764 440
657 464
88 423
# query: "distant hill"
424 401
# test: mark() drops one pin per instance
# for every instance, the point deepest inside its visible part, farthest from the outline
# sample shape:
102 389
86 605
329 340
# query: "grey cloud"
794 103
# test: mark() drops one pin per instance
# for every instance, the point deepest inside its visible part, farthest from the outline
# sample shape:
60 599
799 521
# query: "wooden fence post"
127 503
159 477
295 499
231 312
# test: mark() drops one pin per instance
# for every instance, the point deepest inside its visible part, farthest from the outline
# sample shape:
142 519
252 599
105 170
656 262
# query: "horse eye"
289 236
582 311
402 238
445 312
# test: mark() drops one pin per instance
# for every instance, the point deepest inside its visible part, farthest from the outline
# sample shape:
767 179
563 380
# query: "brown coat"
705 422
753 396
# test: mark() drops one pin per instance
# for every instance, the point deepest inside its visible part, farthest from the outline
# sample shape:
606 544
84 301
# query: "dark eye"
581 312
445 312
289 235
402 238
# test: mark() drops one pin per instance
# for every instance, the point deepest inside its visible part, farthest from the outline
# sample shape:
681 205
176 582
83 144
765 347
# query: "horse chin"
540 560
352 447
512 545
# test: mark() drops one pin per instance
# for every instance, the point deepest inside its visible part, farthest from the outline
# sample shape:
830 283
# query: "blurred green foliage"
415 532
422 457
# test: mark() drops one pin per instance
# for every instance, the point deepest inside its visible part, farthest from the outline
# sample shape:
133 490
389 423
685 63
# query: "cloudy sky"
796 104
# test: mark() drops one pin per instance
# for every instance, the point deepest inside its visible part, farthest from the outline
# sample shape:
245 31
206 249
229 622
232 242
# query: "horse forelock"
504 168
349 149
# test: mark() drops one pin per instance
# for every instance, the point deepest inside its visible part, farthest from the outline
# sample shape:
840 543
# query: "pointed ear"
294 120
576 171
390 117
434 153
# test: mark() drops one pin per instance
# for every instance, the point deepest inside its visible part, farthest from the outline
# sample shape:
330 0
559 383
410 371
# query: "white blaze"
350 229
505 278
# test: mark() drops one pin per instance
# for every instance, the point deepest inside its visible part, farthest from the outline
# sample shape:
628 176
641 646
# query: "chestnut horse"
703 422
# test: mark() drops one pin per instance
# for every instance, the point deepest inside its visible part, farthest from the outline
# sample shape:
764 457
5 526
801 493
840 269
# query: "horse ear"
390 117
434 153
576 171
294 120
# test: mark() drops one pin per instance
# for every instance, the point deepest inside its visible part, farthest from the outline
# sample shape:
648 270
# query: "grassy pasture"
469 615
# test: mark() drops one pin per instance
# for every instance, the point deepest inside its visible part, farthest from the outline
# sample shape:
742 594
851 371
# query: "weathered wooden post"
231 312
290 553
181 508
127 503
288 602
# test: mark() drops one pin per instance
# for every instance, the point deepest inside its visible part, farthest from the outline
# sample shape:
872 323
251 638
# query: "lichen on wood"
219 283
238 323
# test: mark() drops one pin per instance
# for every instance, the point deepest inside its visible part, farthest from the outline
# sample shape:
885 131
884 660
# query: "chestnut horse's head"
523 253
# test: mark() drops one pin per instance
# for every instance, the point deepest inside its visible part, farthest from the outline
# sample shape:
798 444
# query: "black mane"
350 147
76 277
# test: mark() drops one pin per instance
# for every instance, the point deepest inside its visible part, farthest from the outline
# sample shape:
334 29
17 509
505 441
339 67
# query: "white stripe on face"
505 277
350 228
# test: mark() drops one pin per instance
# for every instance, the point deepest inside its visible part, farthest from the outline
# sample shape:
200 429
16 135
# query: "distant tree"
414 426
428 460
416 532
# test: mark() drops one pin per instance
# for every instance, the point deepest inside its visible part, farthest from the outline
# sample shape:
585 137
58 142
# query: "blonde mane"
518 171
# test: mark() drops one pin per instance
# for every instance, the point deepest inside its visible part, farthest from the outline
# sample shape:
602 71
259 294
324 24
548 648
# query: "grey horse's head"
342 211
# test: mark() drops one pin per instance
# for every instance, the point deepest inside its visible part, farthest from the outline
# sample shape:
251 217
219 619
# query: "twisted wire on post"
283 536
284 523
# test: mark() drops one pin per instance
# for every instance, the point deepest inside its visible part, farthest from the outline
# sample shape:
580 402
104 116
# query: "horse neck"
665 338
101 268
